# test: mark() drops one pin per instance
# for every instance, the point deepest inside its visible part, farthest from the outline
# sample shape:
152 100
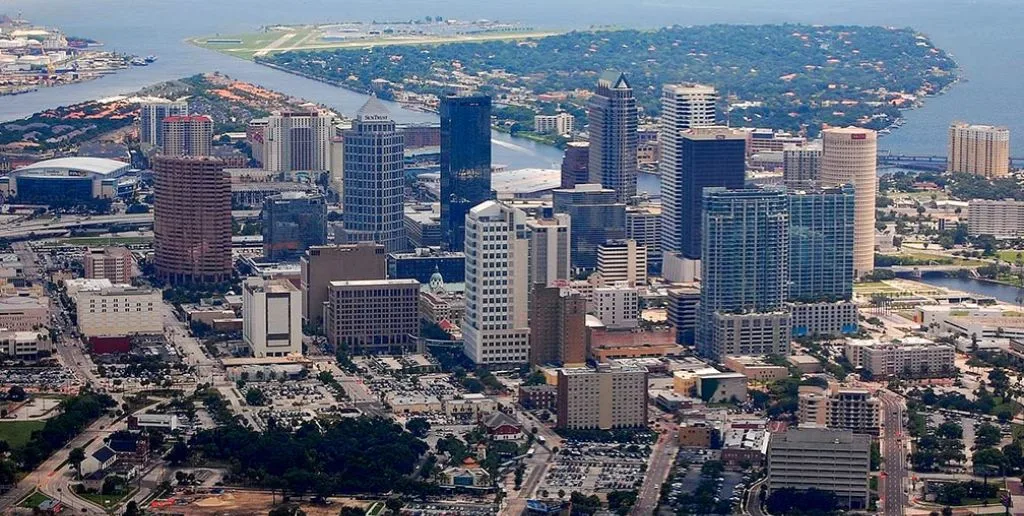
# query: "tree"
16 393
132 509
987 436
418 426
255 397
394 504
75 457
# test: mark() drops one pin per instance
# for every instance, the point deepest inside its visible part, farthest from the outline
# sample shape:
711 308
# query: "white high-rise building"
495 327
983 150
298 141
622 261
550 248
617 306
272 317
849 156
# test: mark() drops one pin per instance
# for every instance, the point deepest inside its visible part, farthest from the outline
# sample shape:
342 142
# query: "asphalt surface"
893 447
662 457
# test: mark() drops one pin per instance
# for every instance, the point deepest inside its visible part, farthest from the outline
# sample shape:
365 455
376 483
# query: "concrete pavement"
662 458
894 471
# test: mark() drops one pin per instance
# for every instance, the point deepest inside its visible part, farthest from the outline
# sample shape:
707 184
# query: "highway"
20 229
894 472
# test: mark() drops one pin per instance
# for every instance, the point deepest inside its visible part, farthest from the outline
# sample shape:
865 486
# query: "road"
536 465
20 229
662 458
752 505
894 473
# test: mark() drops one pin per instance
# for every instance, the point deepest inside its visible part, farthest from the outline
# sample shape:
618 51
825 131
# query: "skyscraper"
192 219
686 106
292 222
374 179
744 273
849 156
982 150
595 216
321 265
151 116
465 162
495 326
692 160
821 243
297 141
187 135
550 255
801 163
613 138
575 164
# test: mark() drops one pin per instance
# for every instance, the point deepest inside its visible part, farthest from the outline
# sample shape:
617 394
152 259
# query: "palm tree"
75 457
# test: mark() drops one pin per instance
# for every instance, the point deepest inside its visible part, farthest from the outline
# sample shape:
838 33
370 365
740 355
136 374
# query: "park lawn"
1010 255
956 260
17 433
33 500
106 501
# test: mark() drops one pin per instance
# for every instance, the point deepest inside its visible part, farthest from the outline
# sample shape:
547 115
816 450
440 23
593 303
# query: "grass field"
17 433
1010 255
304 38
957 260
33 500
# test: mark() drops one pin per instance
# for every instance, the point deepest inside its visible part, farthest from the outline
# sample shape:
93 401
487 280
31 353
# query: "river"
1005 293
992 60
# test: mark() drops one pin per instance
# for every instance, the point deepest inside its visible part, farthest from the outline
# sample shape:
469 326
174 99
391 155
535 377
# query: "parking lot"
37 378
596 467
689 489
294 401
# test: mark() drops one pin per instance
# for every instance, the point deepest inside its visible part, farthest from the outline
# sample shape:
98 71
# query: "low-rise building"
756 368
696 435
119 310
23 345
610 396
561 123
837 461
373 316
535 397
806 364
617 306
469 406
502 427
824 318
1002 219
410 403
911 357
722 388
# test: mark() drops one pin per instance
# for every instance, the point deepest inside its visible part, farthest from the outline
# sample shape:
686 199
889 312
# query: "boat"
150 58
138 61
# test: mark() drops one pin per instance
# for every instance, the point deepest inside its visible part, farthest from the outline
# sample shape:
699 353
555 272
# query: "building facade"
595 216
692 161
1001 219
113 263
612 114
558 332
272 318
421 263
321 265
151 116
909 358
292 223
643 224
821 235
744 271
192 219
617 306
849 156
374 179
982 150
465 162
560 124
187 135
373 316
299 140
575 164
495 327
118 311
550 253
622 261
609 397
801 163
837 461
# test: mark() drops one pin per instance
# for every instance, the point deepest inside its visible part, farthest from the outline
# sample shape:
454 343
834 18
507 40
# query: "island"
790 76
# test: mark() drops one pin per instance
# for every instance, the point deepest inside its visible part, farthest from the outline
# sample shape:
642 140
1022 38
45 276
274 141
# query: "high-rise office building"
692 160
375 179
321 265
272 317
611 396
838 461
744 273
550 254
982 150
558 329
849 156
643 224
595 216
575 164
465 162
187 135
297 141
801 163
192 219
112 263
686 106
821 244
293 222
151 116
495 326
612 114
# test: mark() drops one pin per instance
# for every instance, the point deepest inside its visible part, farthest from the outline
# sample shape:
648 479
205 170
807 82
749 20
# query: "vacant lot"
17 433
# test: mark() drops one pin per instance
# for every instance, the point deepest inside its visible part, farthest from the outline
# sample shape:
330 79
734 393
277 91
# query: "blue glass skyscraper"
465 163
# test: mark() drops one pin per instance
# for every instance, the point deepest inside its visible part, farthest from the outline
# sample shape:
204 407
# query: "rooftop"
98 166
